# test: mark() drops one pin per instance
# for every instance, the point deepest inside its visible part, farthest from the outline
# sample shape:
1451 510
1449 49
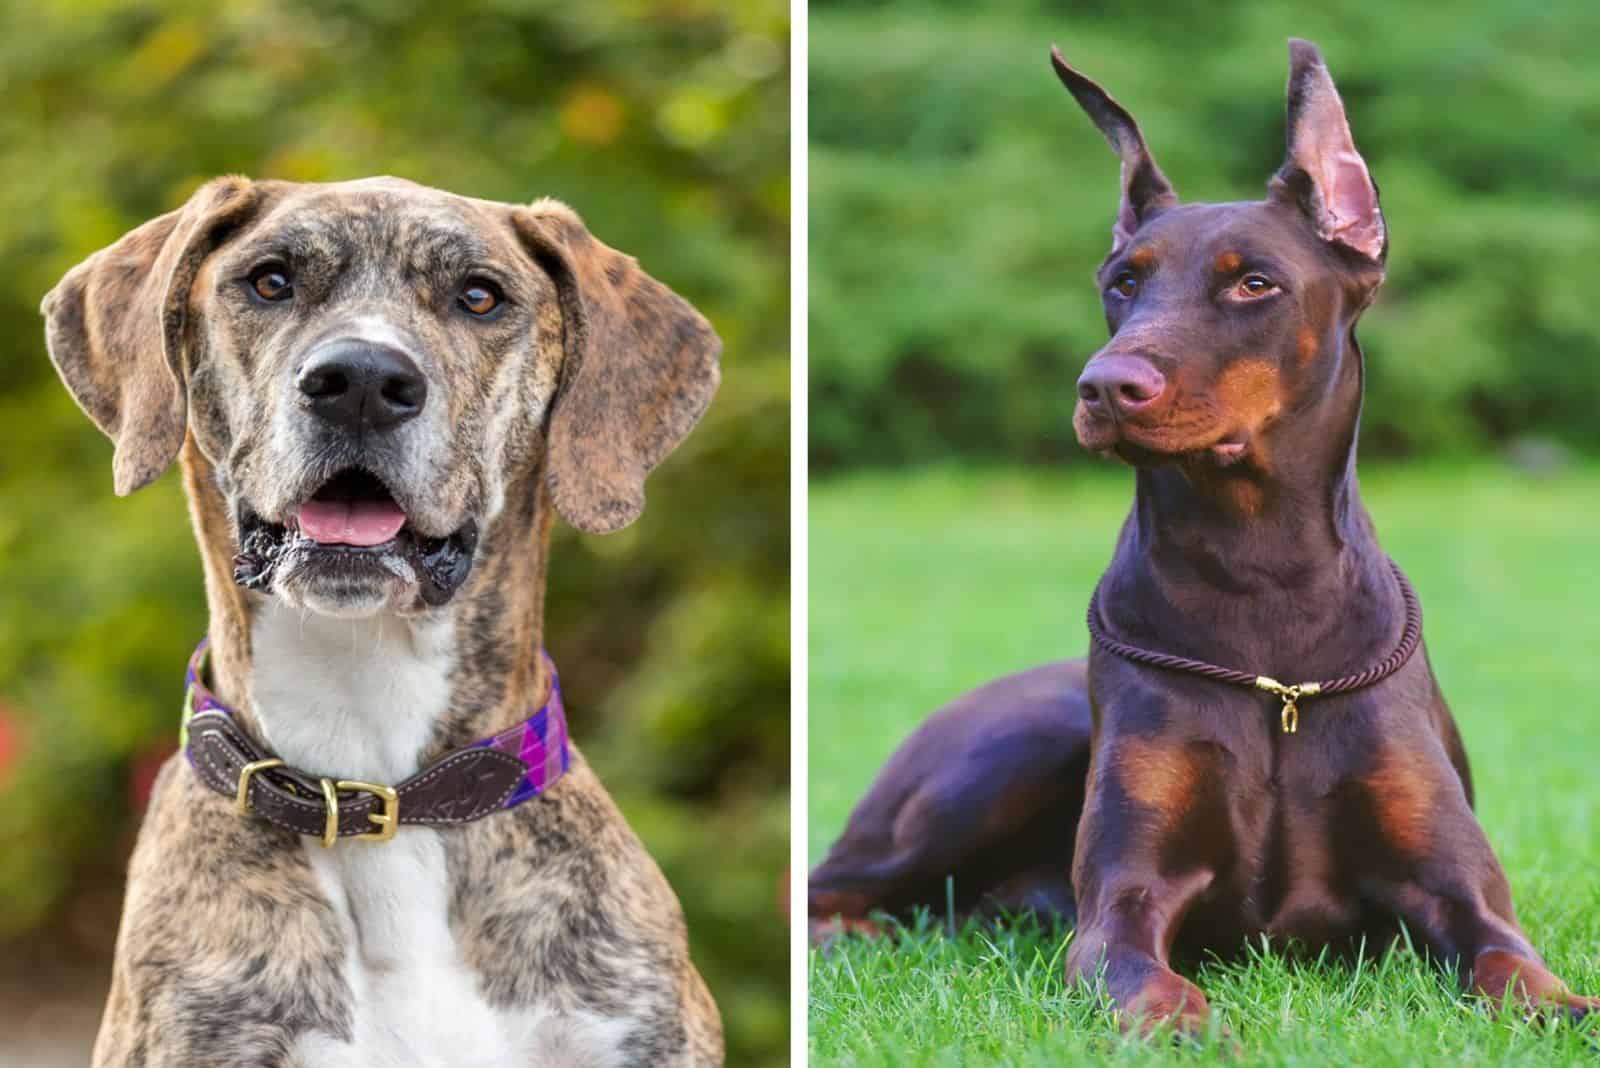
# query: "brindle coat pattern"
228 949
1200 825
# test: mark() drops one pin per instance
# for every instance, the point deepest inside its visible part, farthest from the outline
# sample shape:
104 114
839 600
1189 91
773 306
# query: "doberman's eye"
1125 285
480 297
1253 286
271 282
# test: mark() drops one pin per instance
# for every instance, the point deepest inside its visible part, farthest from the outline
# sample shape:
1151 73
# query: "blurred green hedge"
960 202
666 125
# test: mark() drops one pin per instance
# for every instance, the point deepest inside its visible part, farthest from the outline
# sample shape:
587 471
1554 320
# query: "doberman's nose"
1120 385
360 385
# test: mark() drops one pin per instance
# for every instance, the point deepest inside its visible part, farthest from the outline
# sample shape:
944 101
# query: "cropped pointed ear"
1324 175
640 368
115 328
1145 190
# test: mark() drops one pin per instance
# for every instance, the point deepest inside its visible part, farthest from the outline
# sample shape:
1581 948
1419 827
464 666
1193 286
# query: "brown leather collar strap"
464 785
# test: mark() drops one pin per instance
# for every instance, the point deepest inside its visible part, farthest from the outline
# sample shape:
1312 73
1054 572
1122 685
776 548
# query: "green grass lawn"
925 585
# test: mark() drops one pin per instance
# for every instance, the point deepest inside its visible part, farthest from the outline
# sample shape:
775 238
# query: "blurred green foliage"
960 202
666 126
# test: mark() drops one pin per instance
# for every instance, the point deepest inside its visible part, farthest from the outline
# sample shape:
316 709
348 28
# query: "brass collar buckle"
241 800
388 820
1290 695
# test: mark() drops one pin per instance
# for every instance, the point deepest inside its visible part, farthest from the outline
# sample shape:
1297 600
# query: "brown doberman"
1165 812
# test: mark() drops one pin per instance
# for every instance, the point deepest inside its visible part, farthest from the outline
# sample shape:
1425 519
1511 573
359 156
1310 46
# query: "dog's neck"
1271 565
378 698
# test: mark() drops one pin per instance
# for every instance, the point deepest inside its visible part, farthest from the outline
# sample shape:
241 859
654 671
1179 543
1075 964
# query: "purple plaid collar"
539 743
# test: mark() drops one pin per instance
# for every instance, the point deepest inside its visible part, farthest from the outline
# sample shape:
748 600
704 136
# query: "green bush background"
960 202
666 125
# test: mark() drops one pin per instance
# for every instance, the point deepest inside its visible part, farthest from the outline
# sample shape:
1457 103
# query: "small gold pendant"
1291 696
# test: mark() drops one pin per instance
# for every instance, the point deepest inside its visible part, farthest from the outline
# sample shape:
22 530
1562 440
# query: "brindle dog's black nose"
360 385
1120 385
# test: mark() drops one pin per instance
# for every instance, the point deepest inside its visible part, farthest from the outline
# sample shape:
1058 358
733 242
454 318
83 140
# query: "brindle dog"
1189 822
448 373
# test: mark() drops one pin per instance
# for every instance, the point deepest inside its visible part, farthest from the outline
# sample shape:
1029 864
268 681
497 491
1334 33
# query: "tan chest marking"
1403 794
1163 778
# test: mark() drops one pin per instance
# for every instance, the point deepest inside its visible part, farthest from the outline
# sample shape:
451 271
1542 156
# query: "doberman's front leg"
1129 931
1142 862
1464 914
1438 872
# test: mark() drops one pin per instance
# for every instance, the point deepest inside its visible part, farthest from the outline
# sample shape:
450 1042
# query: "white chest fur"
358 699
350 698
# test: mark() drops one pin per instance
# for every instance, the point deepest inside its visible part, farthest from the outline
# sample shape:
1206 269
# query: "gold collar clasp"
1291 696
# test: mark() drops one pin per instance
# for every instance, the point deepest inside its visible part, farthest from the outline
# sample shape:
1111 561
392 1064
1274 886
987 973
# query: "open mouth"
352 508
352 527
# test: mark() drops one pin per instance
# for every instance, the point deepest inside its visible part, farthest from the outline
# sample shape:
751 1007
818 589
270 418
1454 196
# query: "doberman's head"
1229 321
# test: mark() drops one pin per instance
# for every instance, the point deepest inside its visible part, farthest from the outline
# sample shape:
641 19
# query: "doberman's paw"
825 931
1529 984
1168 1002
1575 1007
1579 1006
834 913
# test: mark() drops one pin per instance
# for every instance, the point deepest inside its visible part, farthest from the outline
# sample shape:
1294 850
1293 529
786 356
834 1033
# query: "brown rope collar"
1290 695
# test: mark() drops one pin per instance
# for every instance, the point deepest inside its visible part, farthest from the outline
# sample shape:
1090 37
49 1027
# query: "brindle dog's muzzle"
441 564
356 396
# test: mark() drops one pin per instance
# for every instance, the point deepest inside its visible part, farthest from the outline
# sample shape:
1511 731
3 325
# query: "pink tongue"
351 522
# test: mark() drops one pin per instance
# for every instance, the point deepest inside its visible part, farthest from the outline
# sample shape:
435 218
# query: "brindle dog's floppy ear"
115 328
1324 174
640 368
1145 190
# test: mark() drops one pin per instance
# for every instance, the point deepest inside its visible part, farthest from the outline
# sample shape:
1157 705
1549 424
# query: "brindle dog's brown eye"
1256 285
1125 285
271 282
479 297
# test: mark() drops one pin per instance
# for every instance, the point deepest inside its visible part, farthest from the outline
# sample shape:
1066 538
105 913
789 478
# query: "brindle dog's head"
1226 319
366 366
